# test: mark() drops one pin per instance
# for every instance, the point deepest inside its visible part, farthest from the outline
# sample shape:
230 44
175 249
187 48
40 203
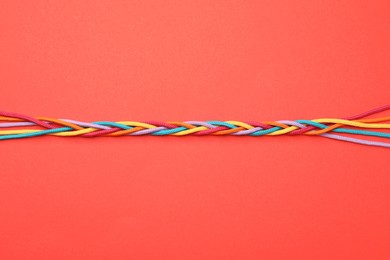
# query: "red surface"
193 198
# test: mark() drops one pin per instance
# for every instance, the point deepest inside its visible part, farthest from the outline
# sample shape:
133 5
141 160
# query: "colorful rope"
17 126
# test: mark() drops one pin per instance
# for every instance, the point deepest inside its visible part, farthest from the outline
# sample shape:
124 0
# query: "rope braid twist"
17 126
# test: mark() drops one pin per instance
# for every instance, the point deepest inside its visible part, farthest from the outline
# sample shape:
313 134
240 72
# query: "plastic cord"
14 126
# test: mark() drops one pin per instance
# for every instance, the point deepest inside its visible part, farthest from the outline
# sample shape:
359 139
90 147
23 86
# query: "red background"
193 198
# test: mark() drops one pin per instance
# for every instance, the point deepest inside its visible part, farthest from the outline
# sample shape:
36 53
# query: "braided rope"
17 126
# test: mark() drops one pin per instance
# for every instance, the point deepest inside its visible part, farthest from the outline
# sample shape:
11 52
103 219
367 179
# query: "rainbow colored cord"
17 126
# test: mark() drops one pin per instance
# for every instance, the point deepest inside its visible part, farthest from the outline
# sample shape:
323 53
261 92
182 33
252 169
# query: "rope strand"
14 126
